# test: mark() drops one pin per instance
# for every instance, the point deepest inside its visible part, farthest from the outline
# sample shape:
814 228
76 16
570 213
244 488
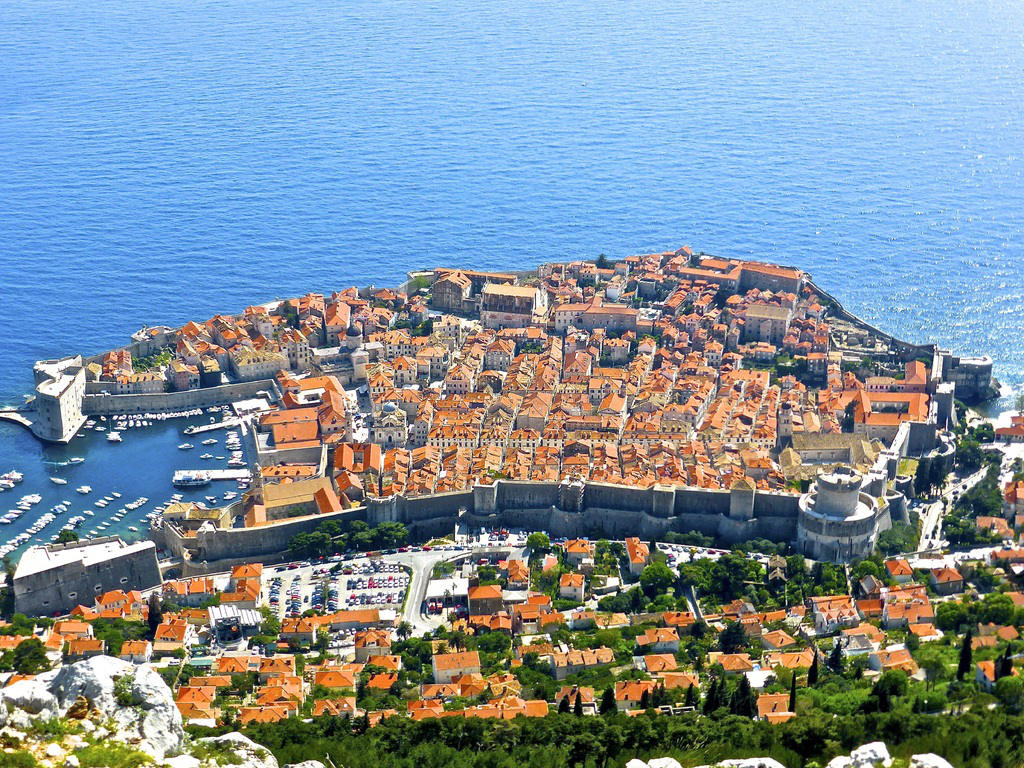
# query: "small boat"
210 441
133 529
185 446
58 480
115 494
113 437
76 460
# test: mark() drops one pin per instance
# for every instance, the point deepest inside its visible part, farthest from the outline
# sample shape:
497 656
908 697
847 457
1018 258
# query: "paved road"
931 524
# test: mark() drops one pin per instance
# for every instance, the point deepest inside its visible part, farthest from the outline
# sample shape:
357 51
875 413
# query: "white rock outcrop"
306 764
929 760
31 696
248 752
145 717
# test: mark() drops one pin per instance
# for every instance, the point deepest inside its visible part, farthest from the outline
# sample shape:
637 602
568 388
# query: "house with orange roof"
272 713
946 581
485 600
801 659
276 666
572 586
639 555
372 642
578 552
497 622
136 651
334 678
774 708
985 675
629 693
575 660
341 707
657 663
893 657
776 640
448 666
658 640
84 648
518 574
733 663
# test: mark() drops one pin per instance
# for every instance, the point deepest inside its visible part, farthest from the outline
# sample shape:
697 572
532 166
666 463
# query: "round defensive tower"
837 521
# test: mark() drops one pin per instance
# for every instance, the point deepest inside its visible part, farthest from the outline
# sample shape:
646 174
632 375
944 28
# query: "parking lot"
336 585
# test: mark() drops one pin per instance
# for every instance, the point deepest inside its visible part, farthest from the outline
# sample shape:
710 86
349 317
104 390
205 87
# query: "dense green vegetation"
331 537
972 740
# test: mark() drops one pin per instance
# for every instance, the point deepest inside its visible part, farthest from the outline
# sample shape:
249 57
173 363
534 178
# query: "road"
931 523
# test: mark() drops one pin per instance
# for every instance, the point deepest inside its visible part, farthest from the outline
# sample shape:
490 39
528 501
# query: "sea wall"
907 350
103 403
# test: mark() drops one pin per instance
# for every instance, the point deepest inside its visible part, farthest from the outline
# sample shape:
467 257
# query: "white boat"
210 441
13 476
133 529
185 446
114 437
76 460
115 494
58 480
84 489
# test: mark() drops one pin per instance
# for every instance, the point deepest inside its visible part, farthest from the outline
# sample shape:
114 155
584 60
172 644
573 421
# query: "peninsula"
671 483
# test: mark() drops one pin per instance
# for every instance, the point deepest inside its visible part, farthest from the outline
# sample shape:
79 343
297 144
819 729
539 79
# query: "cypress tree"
743 701
578 708
966 655
812 673
835 659
792 693
645 699
711 700
607 701
563 706
691 696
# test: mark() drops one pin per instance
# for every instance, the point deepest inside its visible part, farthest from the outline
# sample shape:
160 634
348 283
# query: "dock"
232 422
15 415
212 474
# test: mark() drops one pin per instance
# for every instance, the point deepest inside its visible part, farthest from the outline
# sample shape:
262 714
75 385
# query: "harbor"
98 486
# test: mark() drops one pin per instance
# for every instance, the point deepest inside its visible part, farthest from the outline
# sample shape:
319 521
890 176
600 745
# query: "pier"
226 423
15 415
211 474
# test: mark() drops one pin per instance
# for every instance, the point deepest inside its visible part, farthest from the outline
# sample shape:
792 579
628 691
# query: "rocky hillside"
106 712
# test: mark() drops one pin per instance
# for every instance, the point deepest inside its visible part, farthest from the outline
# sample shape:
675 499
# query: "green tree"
1010 692
66 536
155 613
578 705
29 657
733 638
744 703
692 696
966 654
538 542
922 478
835 658
656 578
563 705
607 701
812 673
792 693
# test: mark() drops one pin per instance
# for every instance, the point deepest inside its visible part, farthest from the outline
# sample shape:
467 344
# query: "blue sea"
163 161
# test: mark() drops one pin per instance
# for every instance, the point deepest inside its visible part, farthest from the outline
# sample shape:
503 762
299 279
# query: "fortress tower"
837 521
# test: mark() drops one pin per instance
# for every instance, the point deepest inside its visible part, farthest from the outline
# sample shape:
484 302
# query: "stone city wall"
95 404
607 510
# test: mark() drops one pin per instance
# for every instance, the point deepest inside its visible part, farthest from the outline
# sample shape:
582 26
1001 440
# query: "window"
72 595
124 579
